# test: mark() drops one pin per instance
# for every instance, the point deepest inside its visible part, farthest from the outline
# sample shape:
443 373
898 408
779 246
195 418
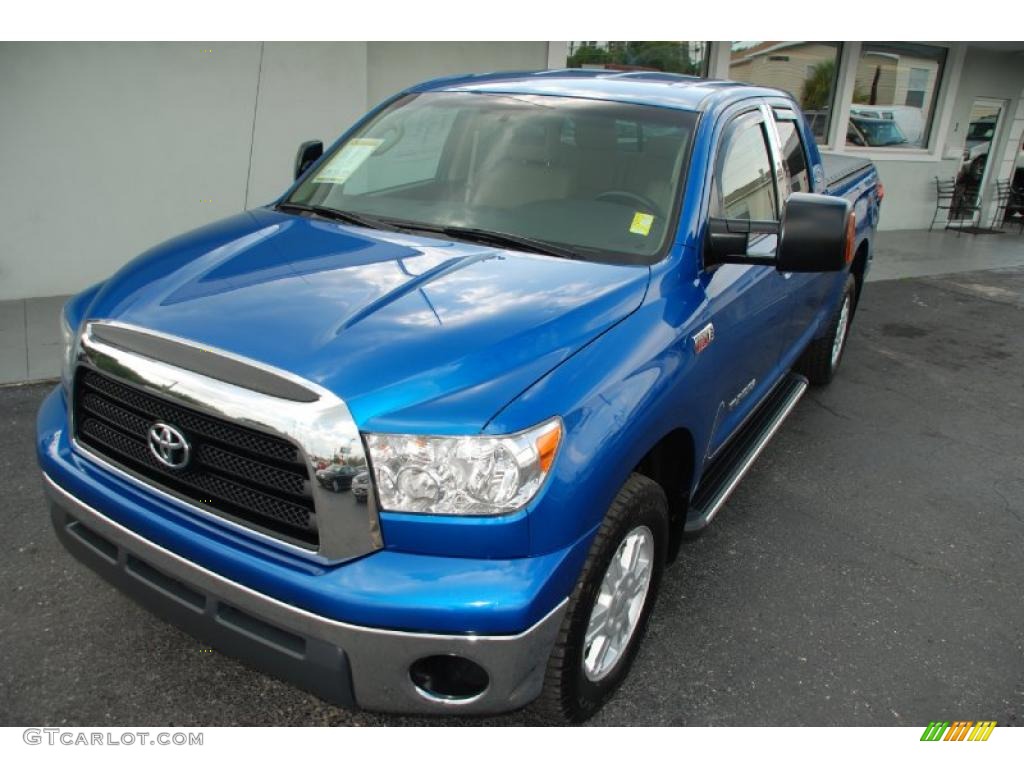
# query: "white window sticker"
347 161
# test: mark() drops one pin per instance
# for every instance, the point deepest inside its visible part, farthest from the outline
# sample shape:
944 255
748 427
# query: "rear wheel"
823 355
610 606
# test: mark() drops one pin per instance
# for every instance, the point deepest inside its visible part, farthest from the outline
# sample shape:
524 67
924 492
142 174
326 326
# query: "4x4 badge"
703 337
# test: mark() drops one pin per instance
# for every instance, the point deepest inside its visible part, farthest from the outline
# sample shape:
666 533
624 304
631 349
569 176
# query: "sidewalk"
918 253
30 346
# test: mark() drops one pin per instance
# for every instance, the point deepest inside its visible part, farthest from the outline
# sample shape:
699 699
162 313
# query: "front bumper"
343 663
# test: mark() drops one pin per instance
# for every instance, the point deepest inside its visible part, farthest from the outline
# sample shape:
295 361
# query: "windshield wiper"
333 213
472 234
500 239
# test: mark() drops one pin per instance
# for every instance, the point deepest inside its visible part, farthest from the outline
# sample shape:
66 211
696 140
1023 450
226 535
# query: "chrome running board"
725 471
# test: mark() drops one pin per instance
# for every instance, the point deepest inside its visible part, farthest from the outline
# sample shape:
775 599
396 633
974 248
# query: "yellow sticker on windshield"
641 224
338 169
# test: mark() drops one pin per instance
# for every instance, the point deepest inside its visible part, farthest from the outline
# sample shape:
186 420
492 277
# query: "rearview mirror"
817 234
309 152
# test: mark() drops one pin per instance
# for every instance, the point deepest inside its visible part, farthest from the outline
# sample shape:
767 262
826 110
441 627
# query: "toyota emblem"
169 446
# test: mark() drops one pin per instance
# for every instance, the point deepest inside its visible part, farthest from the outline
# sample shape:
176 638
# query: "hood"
413 333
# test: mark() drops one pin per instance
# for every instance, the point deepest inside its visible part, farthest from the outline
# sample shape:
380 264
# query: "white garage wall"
107 149
307 91
394 66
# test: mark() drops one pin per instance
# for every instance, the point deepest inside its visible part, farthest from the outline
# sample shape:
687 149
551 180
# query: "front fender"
617 397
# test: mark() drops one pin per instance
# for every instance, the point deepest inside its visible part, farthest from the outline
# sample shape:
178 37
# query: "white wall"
307 91
910 191
107 149
394 66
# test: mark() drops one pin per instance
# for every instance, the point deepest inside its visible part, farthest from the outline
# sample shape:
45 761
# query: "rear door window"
794 158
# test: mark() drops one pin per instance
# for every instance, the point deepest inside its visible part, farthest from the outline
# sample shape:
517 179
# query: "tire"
821 359
572 692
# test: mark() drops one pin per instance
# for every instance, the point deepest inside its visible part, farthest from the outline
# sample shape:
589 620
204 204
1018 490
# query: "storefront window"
894 95
805 70
684 58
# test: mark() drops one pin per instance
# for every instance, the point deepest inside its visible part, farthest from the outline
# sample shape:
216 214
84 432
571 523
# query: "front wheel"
822 357
610 605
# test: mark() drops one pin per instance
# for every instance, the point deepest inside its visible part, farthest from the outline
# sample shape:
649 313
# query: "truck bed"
840 168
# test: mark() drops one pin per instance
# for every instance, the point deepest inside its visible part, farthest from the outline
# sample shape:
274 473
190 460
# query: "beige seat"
603 166
650 174
596 157
531 168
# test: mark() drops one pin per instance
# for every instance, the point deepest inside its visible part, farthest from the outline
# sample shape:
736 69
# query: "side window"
793 156
744 174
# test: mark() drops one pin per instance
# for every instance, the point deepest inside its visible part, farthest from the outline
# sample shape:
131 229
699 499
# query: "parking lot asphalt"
868 571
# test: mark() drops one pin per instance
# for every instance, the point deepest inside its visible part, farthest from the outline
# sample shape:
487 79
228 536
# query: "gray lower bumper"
343 663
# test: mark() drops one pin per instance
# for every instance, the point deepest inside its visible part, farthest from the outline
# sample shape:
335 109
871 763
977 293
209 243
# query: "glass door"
978 159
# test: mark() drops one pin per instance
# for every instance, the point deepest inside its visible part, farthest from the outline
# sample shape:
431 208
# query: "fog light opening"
448 679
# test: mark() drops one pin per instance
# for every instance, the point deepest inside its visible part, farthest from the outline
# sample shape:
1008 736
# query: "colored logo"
961 730
703 337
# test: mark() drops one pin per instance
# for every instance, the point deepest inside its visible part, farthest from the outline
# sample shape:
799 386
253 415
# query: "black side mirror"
817 234
729 240
309 152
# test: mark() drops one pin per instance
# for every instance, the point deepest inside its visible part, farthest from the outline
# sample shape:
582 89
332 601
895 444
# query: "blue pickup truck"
422 435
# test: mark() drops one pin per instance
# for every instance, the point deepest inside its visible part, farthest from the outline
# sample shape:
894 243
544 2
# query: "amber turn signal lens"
851 237
547 447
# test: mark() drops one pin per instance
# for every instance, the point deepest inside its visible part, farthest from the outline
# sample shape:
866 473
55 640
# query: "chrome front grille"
263 448
254 478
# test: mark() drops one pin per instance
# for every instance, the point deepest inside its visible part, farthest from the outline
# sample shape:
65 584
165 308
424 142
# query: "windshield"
879 133
598 178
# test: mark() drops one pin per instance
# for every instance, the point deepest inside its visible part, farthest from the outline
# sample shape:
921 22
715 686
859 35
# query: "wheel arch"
670 463
859 267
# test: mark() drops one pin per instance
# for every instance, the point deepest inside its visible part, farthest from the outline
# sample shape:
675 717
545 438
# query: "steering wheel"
645 203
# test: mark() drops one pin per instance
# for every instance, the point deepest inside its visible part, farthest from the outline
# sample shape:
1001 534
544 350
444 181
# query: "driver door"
747 303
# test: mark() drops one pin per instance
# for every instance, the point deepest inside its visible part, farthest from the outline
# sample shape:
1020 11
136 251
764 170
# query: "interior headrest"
665 146
596 133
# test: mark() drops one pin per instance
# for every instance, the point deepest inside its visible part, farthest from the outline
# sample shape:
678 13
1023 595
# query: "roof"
662 89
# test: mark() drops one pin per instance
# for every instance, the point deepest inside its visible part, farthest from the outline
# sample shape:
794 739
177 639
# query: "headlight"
67 359
478 475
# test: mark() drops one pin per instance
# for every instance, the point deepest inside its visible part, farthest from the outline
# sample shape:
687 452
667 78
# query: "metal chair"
954 200
1003 193
1013 206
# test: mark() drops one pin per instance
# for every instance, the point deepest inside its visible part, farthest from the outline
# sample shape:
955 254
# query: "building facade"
109 148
